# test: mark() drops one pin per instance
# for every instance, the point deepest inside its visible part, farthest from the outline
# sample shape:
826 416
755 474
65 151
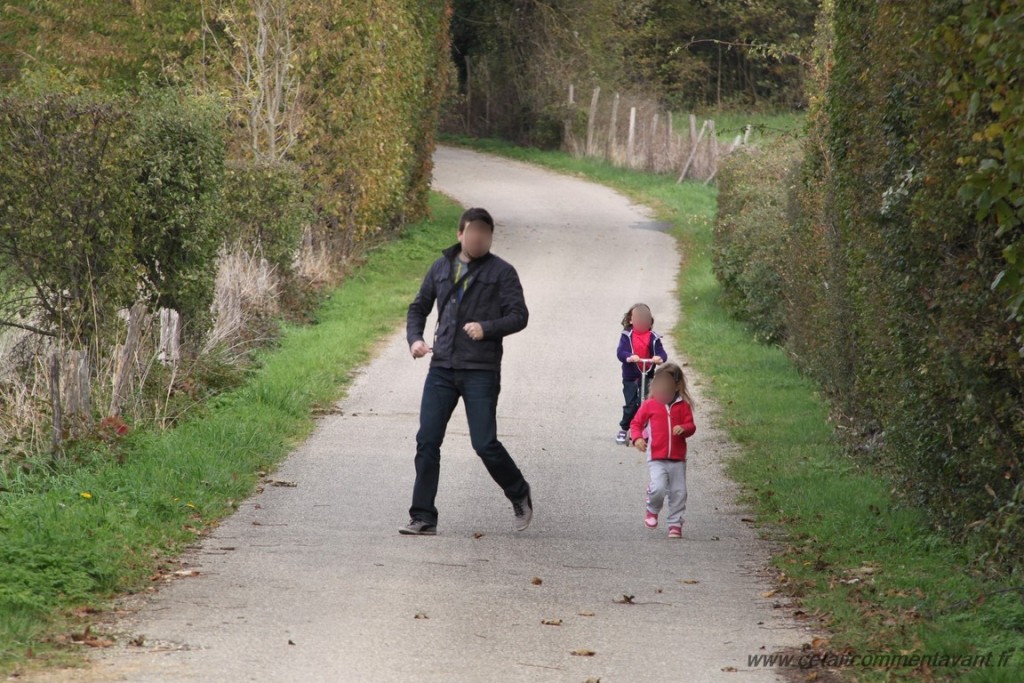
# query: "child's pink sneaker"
675 531
651 520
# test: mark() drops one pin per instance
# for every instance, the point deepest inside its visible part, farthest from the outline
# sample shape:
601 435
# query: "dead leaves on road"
582 652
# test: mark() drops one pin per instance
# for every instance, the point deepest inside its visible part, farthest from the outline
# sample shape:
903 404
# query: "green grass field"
764 126
74 536
875 573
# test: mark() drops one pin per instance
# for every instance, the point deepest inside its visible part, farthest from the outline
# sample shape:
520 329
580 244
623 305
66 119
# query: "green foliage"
740 52
266 209
752 200
66 210
179 164
372 78
378 71
516 58
99 41
886 272
986 40
102 195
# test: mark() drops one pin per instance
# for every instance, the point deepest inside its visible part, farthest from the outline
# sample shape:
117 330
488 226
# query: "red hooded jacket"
664 445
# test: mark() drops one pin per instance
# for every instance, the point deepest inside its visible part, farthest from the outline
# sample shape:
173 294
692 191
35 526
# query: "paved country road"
312 582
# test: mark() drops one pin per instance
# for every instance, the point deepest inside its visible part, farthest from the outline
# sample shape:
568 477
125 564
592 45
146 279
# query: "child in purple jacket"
638 342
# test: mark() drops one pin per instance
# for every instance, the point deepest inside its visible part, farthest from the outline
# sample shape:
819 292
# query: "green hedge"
379 72
748 244
105 199
265 209
372 74
893 242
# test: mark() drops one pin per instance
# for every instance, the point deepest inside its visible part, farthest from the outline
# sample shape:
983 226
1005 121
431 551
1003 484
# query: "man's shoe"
523 510
417 527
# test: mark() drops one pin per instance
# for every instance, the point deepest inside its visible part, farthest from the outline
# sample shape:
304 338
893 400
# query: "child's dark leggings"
631 393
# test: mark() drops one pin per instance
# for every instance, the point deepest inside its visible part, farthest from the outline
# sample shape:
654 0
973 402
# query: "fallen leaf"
551 622
186 572
536 581
278 482
585 614
421 615
97 642
592 680
728 668
625 599
291 642
748 519
689 581
138 641
86 495
477 534
583 652
768 594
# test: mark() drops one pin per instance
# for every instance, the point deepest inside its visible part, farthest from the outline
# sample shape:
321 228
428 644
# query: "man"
479 301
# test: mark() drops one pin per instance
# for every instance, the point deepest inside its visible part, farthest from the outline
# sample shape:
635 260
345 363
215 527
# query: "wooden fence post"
631 140
713 144
613 131
592 121
695 145
652 145
77 391
55 402
170 336
670 139
567 139
469 96
125 356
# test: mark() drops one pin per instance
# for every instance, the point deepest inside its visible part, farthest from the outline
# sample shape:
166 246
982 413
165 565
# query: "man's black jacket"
492 297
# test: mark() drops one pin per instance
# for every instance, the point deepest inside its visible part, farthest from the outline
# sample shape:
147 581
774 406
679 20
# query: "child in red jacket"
670 418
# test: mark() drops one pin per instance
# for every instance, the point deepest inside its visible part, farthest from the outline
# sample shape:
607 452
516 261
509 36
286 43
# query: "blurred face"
641 319
663 389
476 239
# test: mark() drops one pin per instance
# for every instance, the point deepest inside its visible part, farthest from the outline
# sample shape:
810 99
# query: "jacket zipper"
668 418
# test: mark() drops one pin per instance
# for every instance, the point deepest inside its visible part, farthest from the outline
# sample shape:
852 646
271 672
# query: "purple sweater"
631 371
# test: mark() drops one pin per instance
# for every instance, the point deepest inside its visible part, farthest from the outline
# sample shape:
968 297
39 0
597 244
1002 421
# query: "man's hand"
474 330
419 349
677 430
640 445
633 359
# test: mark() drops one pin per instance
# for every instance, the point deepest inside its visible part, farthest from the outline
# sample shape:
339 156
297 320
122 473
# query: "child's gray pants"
668 481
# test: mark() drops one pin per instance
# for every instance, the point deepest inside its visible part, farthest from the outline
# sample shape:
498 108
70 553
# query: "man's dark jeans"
479 390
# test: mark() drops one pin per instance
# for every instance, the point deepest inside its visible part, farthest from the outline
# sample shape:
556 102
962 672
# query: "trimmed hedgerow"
904 213
748 244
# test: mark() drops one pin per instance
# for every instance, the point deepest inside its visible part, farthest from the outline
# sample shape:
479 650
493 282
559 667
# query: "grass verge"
875 573
77 534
